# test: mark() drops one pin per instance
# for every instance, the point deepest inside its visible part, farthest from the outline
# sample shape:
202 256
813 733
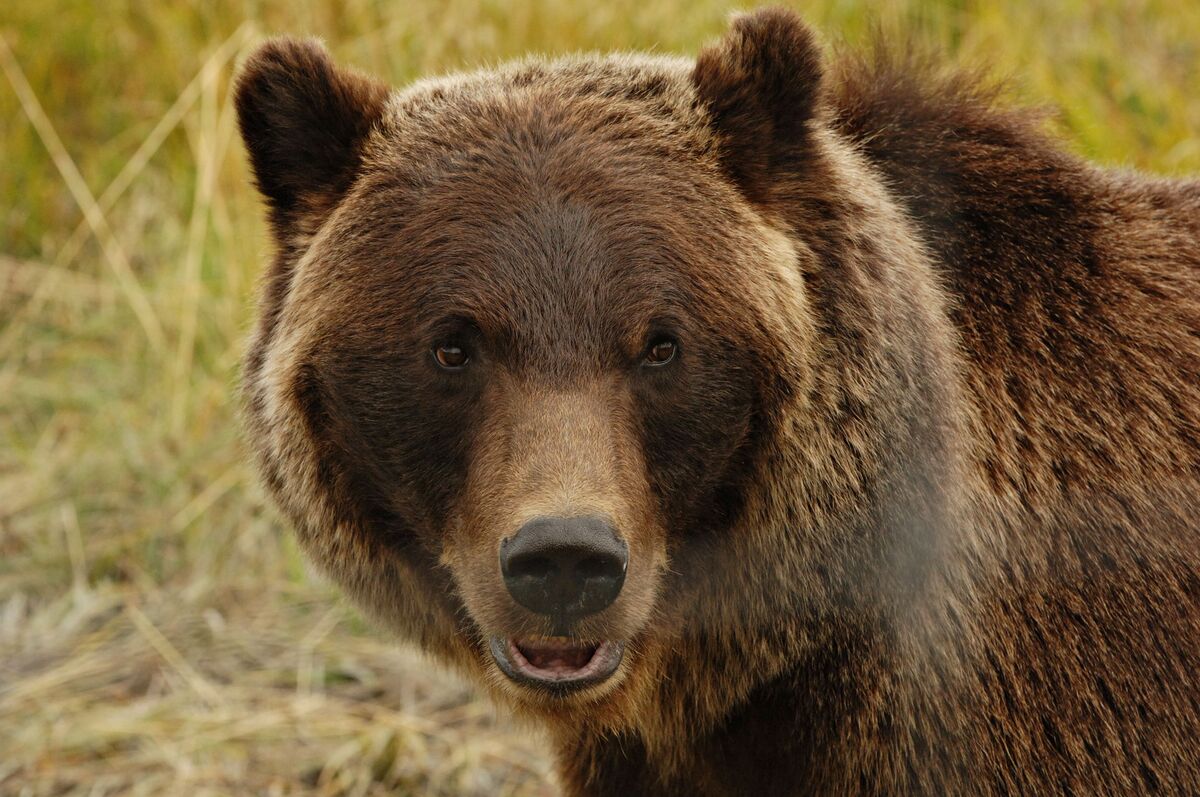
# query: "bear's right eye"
451 357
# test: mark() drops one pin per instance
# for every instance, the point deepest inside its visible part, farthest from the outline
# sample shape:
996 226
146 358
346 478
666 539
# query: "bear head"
565 368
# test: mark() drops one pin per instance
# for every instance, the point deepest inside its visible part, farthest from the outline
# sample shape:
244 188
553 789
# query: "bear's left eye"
660 352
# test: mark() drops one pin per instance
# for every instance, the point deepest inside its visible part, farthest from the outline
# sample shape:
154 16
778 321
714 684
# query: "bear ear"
303 121
762 85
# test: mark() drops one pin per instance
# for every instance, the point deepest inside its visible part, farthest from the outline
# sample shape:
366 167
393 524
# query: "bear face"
553 281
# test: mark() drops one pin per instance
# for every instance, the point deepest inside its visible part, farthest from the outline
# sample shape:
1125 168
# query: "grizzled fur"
915 512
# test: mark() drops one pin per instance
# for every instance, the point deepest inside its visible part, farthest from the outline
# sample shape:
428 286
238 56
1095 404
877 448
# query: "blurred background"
159 633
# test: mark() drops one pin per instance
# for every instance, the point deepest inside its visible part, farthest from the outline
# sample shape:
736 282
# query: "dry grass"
158 631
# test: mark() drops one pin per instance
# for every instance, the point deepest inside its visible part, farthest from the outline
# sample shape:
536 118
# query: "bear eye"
660 352
451 357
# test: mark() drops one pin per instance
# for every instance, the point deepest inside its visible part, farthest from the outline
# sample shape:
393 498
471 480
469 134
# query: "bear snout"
564 568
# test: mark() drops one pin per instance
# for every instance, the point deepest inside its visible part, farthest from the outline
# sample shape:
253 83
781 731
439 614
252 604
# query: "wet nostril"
597 567
531 567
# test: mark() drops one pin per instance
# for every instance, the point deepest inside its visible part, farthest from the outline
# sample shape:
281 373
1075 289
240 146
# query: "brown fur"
915 511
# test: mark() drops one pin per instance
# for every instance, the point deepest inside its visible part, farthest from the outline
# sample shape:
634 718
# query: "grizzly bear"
760 424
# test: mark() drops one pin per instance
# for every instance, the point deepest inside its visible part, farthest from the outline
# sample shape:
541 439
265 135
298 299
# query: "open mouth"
558 664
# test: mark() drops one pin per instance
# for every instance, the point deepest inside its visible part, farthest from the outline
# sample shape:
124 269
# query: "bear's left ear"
304 121
762 86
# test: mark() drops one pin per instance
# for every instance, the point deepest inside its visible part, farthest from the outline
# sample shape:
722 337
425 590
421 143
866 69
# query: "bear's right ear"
761 84
303 121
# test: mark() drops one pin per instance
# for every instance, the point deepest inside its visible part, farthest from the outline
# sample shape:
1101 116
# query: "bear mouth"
557 664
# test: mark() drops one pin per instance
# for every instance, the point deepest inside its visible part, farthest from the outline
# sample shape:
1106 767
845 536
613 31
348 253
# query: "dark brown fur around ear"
762 85
303 121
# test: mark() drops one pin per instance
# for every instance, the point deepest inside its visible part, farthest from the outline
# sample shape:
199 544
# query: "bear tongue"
550 654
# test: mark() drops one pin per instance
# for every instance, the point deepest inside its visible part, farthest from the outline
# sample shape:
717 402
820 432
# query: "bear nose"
564 568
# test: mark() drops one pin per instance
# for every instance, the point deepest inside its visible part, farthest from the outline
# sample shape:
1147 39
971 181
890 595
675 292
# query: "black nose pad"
564 568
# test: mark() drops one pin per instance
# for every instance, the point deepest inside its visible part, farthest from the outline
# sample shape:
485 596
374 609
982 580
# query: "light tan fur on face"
547 452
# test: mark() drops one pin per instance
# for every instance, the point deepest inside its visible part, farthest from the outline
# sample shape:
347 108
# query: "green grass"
158 630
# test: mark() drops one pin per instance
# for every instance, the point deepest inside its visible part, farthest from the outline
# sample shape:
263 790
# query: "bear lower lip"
558 664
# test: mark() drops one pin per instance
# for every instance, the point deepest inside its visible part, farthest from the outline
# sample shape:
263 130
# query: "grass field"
159 633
